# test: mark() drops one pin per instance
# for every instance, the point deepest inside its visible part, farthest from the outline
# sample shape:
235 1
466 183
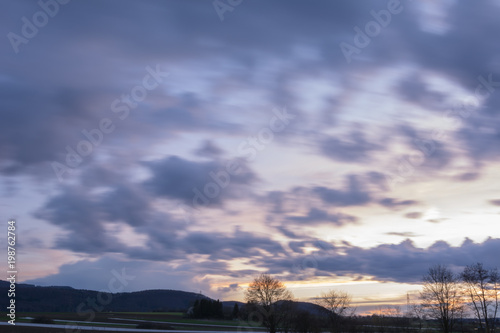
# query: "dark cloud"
231 287
379 262
240 244
317 216
437 220
470 60
77 212
394 203
294 200
276 200
139 275
164 244
495 202
221 75
353 195
199 183
414 215
481 135
62 116
406 234
468 176
415 90
91 214
468 52
58 118
288 233
86 219
353 147
379 179
127 203
431 154
209 149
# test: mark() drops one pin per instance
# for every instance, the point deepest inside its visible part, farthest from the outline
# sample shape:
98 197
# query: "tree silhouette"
338 305
441 296
482 287
268 296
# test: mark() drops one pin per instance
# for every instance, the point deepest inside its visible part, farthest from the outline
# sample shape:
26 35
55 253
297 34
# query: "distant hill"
230 304
30 298
312 308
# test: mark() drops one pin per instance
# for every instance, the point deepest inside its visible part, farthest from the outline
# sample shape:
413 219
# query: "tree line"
450 297
207 308
450 301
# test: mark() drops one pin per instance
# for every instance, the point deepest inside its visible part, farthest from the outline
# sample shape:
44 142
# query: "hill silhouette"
31 298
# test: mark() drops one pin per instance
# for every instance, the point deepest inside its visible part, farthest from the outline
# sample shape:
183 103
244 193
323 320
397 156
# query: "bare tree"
418 313
441 296
482 288
415 311
269 296
338 304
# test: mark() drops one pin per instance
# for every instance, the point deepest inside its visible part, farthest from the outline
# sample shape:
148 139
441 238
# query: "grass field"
160 320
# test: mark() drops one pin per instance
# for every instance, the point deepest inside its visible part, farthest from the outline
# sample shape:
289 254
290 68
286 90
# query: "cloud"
91 215
209 149
495 202
140 275
439 220
127 203
231 287
480 135
435 154
221 84
353 195
164 244
394 203
276 200
288 233
414 215
199 183
240 244
415 90
379 261
317 216
350 148
468 176
75 211
57 117
406 234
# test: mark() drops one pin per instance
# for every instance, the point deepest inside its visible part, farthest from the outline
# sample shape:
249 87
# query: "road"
75 328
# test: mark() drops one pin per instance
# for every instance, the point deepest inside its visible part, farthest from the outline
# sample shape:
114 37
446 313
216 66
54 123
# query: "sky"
193 145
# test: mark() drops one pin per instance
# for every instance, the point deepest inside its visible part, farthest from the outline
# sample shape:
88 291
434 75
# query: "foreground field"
122 322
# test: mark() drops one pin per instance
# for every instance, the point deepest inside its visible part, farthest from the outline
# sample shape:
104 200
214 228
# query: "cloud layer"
147 133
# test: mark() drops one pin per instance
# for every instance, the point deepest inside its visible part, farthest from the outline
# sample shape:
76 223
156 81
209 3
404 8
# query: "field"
128 320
